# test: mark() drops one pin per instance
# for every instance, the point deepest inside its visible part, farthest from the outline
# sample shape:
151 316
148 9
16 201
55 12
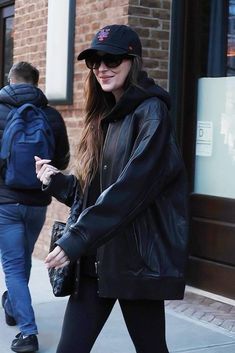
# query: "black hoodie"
13 96
135 95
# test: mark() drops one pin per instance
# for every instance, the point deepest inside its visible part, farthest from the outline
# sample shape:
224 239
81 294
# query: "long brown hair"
97 104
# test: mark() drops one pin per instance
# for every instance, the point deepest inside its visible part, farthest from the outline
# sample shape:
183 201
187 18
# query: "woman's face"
113 79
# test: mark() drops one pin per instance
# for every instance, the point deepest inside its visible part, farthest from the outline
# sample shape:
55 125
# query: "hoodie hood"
135 95
18 94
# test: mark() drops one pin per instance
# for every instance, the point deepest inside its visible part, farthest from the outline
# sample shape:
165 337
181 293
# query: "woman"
128 223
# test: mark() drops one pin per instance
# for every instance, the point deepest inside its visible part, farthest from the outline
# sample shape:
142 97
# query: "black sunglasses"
110 60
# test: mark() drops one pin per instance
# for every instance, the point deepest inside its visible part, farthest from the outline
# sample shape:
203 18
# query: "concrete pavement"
184 334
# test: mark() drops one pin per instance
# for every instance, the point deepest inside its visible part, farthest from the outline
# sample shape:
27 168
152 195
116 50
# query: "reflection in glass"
215 144
8 47
231 40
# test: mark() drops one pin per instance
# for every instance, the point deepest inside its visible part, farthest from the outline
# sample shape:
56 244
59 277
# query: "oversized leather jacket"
139 222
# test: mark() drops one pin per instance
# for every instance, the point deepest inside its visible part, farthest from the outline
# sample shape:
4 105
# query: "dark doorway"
203 91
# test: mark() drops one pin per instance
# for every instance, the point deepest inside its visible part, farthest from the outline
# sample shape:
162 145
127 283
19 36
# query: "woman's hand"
44 170
57 258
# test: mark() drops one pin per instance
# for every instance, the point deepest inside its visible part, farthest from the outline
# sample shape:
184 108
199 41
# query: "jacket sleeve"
154 162
63 188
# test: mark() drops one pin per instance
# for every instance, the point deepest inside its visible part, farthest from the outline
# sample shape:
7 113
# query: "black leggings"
86 315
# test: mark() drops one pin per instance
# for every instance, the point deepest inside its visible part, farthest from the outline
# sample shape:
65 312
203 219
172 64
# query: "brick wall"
151 20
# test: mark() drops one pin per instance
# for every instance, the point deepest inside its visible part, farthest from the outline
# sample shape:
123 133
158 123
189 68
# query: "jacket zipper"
101 159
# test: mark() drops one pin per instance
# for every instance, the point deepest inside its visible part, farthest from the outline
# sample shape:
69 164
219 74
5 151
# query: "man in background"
22 211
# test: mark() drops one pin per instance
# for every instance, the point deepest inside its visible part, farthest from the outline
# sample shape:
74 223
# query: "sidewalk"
186 331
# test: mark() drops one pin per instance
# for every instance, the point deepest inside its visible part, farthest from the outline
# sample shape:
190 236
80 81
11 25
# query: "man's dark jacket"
139 222
13 96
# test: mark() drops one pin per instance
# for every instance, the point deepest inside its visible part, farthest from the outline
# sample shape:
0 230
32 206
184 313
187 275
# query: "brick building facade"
150 18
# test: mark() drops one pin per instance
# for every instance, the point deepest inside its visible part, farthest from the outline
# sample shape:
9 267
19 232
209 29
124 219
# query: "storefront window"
215 140
231 40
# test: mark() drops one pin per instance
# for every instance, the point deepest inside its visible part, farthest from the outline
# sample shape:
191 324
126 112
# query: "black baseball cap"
114 39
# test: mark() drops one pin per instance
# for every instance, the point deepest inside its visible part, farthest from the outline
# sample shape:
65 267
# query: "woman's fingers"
57 258
40 162
44 170
65 263
55 255
45 175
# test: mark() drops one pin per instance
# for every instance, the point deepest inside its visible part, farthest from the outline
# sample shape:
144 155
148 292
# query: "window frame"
55 97
6 10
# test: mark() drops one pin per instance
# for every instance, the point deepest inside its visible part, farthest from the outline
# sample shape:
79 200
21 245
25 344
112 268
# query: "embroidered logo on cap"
103 34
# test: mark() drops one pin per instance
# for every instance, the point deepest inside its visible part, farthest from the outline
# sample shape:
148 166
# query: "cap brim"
101 47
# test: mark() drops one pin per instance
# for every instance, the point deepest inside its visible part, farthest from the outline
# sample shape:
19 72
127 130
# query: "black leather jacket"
139 222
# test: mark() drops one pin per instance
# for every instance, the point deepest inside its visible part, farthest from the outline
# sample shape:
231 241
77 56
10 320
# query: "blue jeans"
20 226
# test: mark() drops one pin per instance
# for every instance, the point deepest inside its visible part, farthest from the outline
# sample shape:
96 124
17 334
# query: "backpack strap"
10 114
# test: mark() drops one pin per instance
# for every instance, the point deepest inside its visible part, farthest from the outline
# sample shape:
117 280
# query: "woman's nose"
102 66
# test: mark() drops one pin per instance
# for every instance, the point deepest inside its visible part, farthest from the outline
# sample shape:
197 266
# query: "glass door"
205 107
215 138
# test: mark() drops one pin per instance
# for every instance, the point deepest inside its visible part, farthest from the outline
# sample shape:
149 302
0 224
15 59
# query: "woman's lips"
105 77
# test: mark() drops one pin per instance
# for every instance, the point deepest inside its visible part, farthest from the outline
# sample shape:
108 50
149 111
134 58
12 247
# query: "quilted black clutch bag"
62 279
